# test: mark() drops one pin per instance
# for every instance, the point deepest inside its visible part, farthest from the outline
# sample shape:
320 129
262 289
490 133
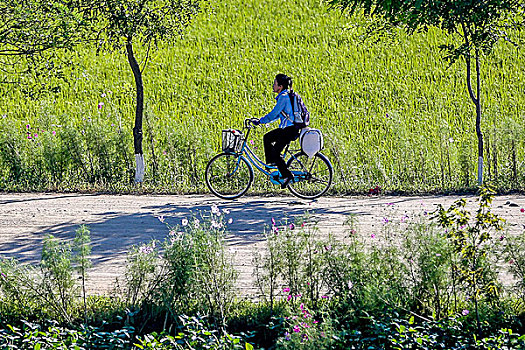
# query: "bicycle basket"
232 141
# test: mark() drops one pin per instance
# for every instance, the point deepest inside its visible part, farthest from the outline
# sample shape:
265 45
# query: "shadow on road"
113 233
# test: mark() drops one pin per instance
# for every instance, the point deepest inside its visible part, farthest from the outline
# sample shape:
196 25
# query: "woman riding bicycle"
276 140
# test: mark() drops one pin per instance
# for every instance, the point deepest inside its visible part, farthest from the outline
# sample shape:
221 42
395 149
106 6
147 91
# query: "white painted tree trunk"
480 171
140 168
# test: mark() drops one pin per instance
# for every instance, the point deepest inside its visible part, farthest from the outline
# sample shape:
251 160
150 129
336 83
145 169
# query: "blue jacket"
283 104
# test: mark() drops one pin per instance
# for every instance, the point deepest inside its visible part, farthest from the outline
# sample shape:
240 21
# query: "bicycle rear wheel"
312 176
228 176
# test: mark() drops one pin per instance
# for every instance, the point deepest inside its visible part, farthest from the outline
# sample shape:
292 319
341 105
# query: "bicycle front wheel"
312 176
228 176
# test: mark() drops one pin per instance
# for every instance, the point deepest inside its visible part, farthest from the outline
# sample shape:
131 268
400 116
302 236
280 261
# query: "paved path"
120 221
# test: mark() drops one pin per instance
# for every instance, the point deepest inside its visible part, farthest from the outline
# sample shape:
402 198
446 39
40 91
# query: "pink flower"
522 210
54 132
275 230
325 297
465 312
373 235
100 105
252 142
296 329
292 226
29 137
28 126
288 298
286 290
273 221
36 135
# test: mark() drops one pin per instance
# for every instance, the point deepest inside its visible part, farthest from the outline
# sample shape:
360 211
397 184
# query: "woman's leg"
271 143
286 136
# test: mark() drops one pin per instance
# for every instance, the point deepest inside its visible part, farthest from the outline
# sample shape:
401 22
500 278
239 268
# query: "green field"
393 113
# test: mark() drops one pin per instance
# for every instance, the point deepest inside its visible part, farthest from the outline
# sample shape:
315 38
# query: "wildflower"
522 210
353 231
390 204
196 223
302 225
437 254
273 221
100 105
511 261
3 275
315 321
451 140
29 136
373 235
252 142
350 284
328 247
403 218
36 135
288 297
215 224
385 220
275 230
215 210
103 95
184 222
465 312
230 220
287 336
145 250
296 329
325 297
501 238
163 152
286 290
226 211
301 306
161 218
54 132
292 226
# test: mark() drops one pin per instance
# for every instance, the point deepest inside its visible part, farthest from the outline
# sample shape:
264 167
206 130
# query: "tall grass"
394 114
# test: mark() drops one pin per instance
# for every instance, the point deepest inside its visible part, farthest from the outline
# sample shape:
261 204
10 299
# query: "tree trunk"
476 99
478 122
139 111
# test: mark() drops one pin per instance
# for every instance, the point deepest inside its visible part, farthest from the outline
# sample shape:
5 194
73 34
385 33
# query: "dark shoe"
285 183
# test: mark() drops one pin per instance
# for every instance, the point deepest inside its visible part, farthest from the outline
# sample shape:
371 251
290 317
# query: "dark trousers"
274 143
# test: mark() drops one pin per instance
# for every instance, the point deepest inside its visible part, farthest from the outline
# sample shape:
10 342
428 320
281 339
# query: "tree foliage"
33 32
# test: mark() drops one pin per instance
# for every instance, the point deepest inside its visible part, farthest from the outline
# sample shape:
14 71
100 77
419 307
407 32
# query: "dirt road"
118 222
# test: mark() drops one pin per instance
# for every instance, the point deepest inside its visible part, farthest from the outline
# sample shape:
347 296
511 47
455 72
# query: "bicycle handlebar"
248 123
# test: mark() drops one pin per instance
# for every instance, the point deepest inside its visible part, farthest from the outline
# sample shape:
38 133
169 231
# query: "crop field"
394 113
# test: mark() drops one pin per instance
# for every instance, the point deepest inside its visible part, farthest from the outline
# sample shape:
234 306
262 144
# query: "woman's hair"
284 80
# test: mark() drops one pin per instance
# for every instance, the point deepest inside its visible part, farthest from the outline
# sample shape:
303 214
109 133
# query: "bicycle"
230 174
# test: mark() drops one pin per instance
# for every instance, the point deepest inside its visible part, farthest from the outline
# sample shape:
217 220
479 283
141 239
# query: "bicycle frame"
254 161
